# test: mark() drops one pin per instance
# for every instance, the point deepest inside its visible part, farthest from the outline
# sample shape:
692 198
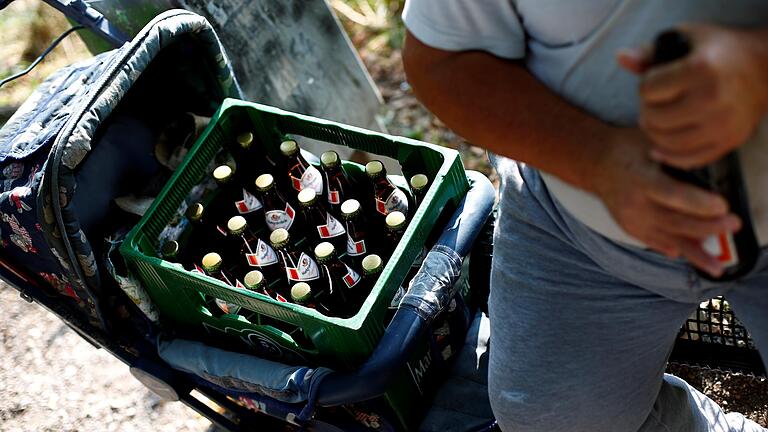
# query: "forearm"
500 106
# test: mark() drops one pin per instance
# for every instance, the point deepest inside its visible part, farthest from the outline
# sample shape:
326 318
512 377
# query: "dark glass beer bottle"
301 173
231 194
303 294
321 225
386 196
213 267
206 233
278 213
372 268
170 251
252 251
359 234
253 160
737 252
298 266
338 187
395 225
419 184
343 283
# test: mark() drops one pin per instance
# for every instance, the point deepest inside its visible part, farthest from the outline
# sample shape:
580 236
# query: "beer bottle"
206 232
212 266
387 197
301 173
737 252
419 184
298 266
326 227
252 251
255 281
170 251
338 187
233 194
278 213
252 160
395 225
372 268
302 294
343 282
358 231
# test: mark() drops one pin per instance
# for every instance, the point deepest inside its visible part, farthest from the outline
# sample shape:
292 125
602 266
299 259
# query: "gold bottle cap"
170 249
279 237
372 264
419 181
289 147
329 159
237 225
395 220
245 140
324 251
254 280
264 182
195 212
307 197
350 208
301 292
223 173
374 168
211 262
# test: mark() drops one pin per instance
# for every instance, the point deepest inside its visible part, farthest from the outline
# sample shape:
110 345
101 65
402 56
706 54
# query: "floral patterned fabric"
42 145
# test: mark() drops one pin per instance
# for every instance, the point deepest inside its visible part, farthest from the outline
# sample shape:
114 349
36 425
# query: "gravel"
53 380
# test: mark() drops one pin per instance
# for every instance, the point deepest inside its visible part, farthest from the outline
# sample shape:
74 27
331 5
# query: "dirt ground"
52 380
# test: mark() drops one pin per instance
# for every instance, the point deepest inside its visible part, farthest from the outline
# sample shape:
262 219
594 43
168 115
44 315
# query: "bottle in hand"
321 225
301 174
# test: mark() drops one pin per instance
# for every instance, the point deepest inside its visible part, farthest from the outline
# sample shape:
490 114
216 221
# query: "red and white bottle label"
306 270
280 218
280 298
334 196
351 278
310 179
396 201
723 248
264 255
248 204
332 228
355 248
226 307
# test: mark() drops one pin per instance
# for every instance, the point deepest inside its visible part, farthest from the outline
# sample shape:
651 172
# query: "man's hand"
667 215
701 107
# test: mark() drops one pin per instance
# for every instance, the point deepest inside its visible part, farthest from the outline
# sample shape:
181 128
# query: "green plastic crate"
337 342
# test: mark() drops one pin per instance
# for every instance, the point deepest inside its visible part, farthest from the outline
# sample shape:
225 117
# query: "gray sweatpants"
581 327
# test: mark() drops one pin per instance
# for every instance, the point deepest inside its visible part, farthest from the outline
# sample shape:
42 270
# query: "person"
595 246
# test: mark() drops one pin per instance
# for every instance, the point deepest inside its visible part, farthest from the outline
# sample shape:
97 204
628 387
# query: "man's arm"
497 104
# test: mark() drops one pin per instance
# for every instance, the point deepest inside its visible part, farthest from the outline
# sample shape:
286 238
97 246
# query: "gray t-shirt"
571 47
